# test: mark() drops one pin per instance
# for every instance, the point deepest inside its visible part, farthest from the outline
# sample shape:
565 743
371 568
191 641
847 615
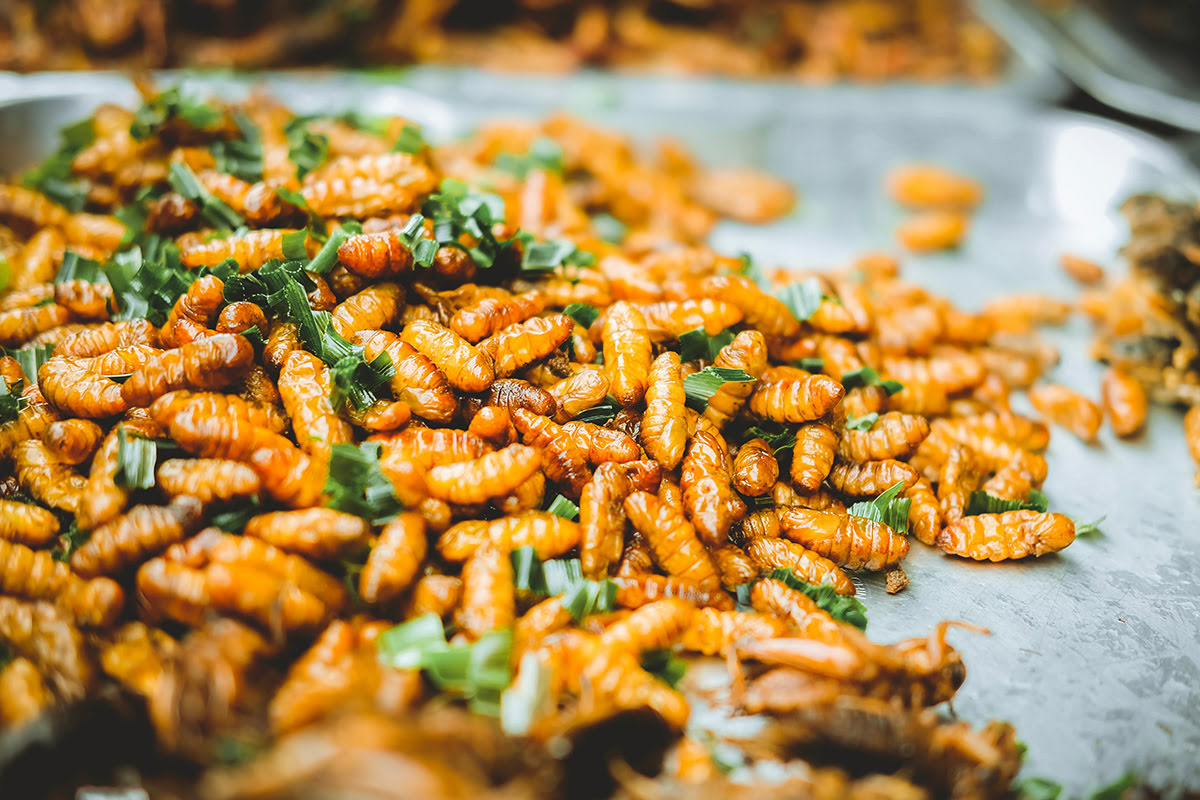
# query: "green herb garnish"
696 344
356 485
600 413
984 503
31 359
867 376
889 508
544 154
862 423
701 386
410 140
307 150
170 105
213 209
841 608
582 313
562 507
242 157
802 298
665 665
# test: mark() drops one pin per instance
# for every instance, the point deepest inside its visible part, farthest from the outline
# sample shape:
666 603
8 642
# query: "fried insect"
1124 402
672 540
713 631
813 455
771 596
870 478
23 694
479 480
377 306
489 315
211 363
1011 535
208 479
47 478
36 575
663 431
315 532
925 513
755 469
799 399
930 231
416 381
894 435
305 386
770 553
627 352
548 534
925 186
517 346
27 524
73 441
72 388
394 560
708 497
602 519
563 460
653 626
488 602
1067 408
43 634
143 531
848 541
747 352
463 365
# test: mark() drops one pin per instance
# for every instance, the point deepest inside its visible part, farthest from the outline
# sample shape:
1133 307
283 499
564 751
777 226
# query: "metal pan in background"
1095 653
1117 66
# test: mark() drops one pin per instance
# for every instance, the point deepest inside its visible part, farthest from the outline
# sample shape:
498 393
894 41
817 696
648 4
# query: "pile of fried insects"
314 433
810 40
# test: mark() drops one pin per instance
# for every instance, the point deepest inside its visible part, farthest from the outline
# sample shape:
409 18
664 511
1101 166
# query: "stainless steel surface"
1113 65
1095 653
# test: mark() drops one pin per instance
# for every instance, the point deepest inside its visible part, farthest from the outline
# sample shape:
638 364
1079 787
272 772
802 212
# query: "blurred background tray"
1095 653
1110 57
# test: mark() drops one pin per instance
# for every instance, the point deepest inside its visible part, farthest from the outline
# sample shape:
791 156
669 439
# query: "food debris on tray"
363 462
815 40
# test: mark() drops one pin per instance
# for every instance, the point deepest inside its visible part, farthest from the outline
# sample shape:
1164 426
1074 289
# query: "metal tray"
1116 66
1095 653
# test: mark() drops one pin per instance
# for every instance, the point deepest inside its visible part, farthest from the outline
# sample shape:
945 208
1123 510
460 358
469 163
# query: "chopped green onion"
600 413
590 597
326 258
527 698
840 607
295 245
810 364
316 223
862 423
1038 789
136 459
68 542
582 313
458 210
356 485
562 507
889 508
169 105
696 344
11 401
242 158
664 665
802 298
412 236
699 387
185 182
31 359
775 434
546 256
409 141
404 646
867 376
984 503
307 150
609 228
